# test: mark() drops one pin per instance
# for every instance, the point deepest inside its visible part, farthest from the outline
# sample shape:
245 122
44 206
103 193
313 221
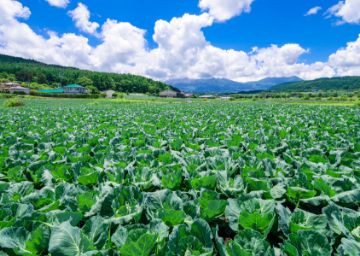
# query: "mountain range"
222 85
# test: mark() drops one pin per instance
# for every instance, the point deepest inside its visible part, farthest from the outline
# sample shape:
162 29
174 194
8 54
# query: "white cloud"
81 16
11 9
348 11
347 60
182 51
122 42
58 3
313 11
224 10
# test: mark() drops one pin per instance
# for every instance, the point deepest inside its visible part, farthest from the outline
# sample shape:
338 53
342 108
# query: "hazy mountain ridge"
222 85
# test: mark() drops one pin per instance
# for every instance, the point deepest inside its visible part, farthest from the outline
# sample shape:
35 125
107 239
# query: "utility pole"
61 75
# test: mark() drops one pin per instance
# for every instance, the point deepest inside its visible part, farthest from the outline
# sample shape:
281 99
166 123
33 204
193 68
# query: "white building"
207 97
74 89
109 93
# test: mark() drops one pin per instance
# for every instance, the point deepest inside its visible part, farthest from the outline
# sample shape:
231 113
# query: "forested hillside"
19 69
336 83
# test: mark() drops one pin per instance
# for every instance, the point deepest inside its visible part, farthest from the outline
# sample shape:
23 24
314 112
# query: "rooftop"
59 90
19 88
207 96
74 86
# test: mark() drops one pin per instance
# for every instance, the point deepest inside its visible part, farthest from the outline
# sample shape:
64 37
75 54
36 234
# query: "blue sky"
216 39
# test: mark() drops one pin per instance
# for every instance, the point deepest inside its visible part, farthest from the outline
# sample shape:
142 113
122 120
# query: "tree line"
335 83
24 70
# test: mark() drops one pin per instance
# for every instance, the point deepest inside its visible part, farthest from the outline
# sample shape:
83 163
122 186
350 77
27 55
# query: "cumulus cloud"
122 42
58 3
182 51
313 11
12 9
347 60
81 16
223 10
348 11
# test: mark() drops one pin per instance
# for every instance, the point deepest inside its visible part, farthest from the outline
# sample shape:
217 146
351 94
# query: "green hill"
19 69
335 83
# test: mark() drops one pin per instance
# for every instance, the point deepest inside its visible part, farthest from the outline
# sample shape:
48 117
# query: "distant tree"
343 97
42 79
92 89
84 81
306 97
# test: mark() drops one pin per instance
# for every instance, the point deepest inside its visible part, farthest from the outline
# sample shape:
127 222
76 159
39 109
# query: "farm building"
186 95
3 85
13 89
169 94
207 97
109 93
225 98
173 94
70 89
74 89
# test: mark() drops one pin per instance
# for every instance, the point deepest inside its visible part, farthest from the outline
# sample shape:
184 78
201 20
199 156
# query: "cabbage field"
180 179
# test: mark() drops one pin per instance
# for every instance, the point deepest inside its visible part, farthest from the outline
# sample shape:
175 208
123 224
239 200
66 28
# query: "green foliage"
13 103
92 89
19 92
13 68
204 99
344 97
306 97
160 179
335 83
84 81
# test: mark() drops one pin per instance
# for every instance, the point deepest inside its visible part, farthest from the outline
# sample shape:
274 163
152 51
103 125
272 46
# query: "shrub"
306 97
9 96
357 104
343 97
205 99
13 103
232 99
318 98
19 92
96 103
102 95
330 98
6 91
35 93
